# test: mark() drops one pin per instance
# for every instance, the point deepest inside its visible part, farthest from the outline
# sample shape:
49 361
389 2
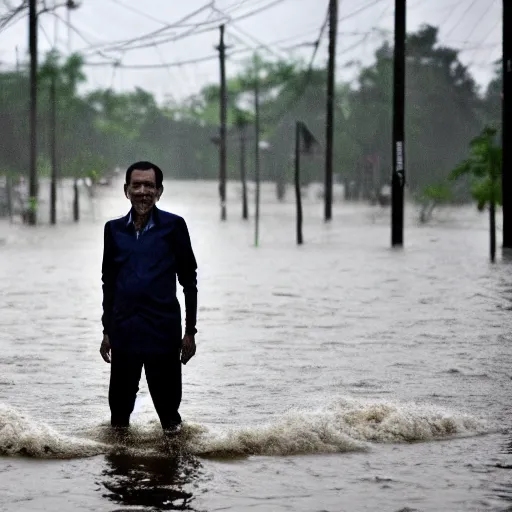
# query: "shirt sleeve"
108 278
186 270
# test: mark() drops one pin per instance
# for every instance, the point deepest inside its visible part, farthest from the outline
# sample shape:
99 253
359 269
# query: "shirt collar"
150 223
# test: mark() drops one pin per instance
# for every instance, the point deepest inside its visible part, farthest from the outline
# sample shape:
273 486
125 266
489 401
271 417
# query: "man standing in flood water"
143 254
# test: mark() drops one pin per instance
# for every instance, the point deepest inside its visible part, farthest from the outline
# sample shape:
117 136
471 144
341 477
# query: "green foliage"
440 193
483 166
431 197
104 129
85 164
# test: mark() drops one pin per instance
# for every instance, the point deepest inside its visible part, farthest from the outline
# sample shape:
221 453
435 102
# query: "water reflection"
503 488
156 481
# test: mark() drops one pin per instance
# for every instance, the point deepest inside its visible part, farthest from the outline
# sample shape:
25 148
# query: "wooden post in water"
53 136
331 92
398 175
298 196
32 213
506 145
76 201
222 134
53 127
492 215
70 4
243 177
257 150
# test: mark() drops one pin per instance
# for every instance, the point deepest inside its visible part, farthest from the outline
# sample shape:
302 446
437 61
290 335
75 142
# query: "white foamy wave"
347 425
395 422
22 435
295 433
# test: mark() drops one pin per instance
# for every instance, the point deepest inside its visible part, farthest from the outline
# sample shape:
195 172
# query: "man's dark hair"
145 166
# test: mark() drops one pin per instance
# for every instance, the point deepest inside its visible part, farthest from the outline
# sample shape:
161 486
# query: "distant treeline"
103 129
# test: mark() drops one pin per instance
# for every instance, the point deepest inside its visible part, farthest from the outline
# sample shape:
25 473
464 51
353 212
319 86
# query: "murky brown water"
339 376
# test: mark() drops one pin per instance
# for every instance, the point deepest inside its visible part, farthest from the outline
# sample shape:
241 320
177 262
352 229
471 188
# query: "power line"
309 72
78 32
138 11
211 25
455 7
470 6
45 34
260 44
167 26
255 40
12 17
291 38
151 34
358 11
206 58
492 31
241 4
479 21
317 43
72 27
152 66
168 69
162 65
349 48
479 47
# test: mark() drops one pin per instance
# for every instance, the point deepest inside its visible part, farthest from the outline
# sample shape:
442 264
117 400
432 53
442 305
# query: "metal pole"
297 183
53 129
53 141
507 126
257 151
243 178
492 217
223 121
76 191
333 21
32 214
398 176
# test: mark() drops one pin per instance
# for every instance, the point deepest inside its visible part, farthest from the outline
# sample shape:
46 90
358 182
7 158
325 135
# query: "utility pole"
222 139
33 186
70 5
507 126
329 138
492 216
257 150
243 178
53 131
398 173
53 142
298 197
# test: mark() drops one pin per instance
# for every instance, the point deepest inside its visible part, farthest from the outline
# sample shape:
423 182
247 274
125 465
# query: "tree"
493 98
442 109
484 169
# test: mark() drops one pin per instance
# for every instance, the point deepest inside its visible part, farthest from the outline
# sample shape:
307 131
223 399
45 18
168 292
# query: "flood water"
338 376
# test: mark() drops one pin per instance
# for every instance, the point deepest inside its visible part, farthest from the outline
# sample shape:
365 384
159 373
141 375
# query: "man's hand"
188 348
105 349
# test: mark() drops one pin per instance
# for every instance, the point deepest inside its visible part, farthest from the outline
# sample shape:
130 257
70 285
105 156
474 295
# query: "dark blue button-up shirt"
141 312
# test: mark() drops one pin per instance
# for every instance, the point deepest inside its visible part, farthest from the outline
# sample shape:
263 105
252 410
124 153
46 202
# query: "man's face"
142 191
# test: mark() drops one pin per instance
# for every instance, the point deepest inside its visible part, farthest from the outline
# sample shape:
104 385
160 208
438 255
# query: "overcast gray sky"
474 26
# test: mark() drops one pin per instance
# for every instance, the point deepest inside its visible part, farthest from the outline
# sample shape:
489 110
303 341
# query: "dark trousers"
163 375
